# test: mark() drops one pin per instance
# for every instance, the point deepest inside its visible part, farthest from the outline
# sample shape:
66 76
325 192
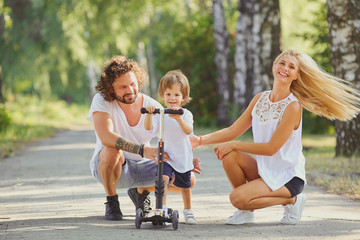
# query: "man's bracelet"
141 150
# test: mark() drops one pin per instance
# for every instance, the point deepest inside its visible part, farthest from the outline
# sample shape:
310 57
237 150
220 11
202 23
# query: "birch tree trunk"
256 47
222 62
152 72
92 77
344 33
141 58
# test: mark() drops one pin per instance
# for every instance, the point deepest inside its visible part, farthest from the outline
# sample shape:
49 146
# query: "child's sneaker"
189 216
292 213
241 217
165 210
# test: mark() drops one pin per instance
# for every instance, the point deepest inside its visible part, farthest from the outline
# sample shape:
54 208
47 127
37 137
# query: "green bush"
5 120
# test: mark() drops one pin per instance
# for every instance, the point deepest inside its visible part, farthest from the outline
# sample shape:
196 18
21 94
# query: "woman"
277 175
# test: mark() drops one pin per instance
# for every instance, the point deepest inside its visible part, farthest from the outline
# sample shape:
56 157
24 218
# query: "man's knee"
111 156
111 160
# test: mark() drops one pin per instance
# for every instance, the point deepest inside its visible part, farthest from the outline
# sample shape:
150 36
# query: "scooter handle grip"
166 111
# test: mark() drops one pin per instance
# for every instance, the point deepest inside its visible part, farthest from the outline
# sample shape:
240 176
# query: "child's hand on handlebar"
150 109
175 116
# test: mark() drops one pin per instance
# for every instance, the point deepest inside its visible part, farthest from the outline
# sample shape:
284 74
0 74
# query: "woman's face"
286 69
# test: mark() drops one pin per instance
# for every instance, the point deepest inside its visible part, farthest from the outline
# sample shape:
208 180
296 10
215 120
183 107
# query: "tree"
5 22
317 38
256 46
221 61
344 33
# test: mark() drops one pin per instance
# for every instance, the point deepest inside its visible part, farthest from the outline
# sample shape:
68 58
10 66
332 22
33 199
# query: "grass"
33 119
337 175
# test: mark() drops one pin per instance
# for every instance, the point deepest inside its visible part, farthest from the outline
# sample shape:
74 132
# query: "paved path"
47 192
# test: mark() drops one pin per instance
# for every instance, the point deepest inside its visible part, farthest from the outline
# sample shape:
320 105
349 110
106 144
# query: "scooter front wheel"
175 219
138 218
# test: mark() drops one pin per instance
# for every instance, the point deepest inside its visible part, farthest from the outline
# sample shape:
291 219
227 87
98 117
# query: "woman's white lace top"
289 161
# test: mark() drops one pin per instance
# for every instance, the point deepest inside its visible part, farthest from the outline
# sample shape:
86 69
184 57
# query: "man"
123 157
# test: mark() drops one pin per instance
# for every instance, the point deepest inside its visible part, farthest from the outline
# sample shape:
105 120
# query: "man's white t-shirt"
136 134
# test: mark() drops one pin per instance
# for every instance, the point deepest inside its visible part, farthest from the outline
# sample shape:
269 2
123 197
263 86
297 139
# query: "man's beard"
123 98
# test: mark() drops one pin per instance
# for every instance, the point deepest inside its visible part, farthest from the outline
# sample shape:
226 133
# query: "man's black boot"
140 200
112 211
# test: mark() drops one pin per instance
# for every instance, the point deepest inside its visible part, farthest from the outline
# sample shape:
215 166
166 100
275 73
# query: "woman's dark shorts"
295 186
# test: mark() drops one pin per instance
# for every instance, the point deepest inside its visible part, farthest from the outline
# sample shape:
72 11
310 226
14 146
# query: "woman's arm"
289 122
240 126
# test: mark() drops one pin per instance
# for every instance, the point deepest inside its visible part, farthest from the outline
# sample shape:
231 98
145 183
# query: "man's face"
126 88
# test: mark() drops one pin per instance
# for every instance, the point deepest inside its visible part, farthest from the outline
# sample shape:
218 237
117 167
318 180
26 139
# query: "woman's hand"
223 149
194 141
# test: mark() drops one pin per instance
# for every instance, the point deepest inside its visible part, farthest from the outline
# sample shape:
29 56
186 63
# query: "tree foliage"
47 46
317 37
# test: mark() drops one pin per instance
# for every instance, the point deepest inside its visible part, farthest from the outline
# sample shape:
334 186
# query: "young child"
174 90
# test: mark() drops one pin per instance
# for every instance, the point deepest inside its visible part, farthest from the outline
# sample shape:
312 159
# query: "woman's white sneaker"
241 217
292 213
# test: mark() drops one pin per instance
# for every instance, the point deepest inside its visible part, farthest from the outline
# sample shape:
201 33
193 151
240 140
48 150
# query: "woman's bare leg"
256 195
239 168
250 191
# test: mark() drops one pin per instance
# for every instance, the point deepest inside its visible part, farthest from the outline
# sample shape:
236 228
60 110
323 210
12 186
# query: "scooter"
159 217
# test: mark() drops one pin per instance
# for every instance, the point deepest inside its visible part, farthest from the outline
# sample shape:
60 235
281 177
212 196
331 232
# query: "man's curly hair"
114 68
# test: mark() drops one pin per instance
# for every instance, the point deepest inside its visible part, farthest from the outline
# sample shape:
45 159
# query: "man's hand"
152 153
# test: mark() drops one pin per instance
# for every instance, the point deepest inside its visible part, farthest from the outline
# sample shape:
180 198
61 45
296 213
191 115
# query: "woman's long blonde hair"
322 93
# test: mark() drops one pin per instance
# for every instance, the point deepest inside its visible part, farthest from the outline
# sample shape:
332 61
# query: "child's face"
173 97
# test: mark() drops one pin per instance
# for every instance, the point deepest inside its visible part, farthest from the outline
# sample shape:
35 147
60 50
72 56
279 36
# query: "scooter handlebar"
166 111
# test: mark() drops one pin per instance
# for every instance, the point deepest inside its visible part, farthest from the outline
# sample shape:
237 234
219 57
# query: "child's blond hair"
175 77
322 93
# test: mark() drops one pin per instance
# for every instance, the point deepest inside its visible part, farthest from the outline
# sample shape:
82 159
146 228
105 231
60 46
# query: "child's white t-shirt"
176 142
289 161
136 134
